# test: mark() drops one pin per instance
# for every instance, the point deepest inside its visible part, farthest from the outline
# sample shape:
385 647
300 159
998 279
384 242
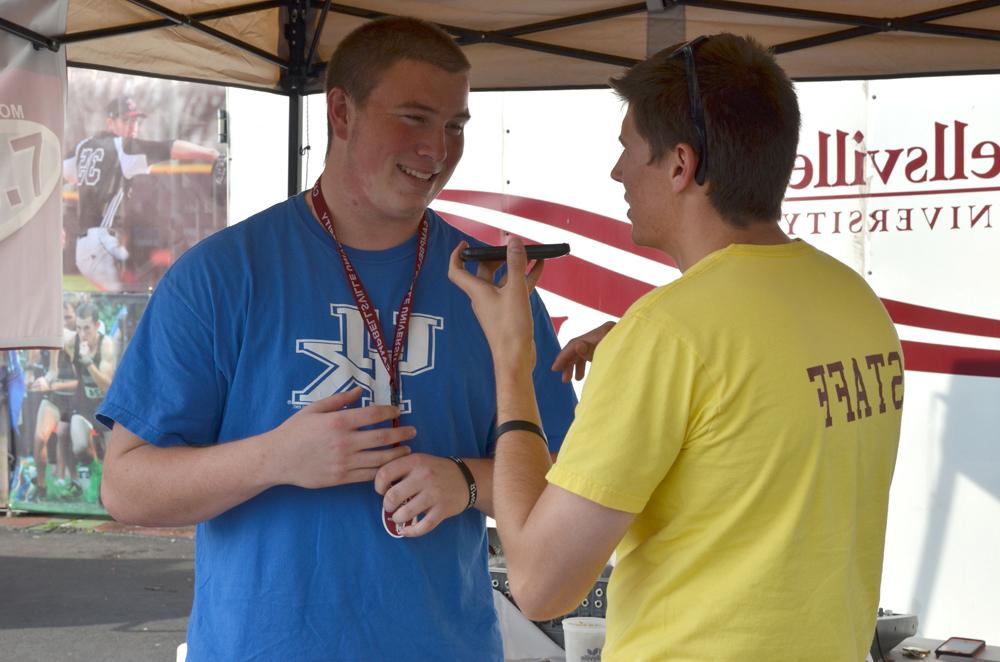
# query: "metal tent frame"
301 73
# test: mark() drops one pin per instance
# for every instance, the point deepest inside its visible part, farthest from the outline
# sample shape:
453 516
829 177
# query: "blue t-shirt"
257 321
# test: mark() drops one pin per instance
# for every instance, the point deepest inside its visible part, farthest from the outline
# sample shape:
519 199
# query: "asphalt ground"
92 590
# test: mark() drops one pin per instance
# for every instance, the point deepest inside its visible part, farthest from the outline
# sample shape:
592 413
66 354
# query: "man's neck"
357 230
708 232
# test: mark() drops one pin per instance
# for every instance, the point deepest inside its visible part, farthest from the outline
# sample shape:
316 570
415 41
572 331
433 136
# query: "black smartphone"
961 646
499 253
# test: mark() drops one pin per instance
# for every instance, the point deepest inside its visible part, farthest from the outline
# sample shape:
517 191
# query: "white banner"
900 179
32 94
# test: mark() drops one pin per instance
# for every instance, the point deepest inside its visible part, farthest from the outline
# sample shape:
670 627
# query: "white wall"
258 166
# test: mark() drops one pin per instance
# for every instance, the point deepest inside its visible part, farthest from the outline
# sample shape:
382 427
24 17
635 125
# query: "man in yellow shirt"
738 433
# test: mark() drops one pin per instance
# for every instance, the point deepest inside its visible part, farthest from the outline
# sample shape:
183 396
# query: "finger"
336 401
374 460
517 259
405 501
581 369
406 509
567 375
536 272
390 472
380 437
359 417
458 275
427 524
487 270
359 476
569 355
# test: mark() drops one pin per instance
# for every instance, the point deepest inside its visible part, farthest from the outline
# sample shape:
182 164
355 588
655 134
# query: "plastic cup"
584 638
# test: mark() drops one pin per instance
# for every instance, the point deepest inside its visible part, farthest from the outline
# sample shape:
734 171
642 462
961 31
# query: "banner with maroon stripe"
898 179
32 85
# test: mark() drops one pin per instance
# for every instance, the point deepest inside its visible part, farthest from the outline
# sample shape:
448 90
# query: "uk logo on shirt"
352 360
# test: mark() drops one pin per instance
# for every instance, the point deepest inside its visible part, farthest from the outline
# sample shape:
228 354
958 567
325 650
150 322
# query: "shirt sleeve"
168 389
138 155
645 386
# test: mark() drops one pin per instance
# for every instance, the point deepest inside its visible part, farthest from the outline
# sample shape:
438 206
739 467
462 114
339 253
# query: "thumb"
517 258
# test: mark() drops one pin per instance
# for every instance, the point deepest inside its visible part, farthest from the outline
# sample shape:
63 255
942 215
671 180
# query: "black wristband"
469 478
517 424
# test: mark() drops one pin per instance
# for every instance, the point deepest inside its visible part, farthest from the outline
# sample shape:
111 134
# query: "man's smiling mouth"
422 176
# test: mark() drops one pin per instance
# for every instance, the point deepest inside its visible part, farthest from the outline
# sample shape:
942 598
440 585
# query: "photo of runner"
60 452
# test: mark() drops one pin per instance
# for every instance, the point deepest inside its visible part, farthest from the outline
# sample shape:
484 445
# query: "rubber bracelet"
516 424
469 478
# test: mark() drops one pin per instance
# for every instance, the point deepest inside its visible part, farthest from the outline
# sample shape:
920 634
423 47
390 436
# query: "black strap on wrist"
469 478
517 424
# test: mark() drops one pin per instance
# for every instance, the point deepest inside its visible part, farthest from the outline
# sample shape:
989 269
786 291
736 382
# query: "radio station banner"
32 84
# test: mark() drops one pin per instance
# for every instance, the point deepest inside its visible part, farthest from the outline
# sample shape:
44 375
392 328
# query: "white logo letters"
351 360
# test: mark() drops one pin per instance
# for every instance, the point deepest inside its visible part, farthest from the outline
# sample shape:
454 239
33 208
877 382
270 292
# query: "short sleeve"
137 155
644 386
155 151
168 389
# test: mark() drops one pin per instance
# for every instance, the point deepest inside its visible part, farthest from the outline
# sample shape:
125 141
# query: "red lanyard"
361 298
363 301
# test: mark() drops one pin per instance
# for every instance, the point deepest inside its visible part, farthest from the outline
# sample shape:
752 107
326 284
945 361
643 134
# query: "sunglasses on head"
697 109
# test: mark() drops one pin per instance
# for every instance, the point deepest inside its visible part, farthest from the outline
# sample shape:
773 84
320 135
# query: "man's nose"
616 171
434 144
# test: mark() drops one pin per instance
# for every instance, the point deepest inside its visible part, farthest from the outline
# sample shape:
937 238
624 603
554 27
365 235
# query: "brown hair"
365 54
751 115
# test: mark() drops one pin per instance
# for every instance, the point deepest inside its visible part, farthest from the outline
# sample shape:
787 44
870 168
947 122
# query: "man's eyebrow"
416 105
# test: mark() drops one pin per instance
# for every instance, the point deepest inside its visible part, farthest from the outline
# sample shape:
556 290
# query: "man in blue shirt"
258 395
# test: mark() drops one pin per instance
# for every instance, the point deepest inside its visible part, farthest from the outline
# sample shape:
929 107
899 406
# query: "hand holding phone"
499 253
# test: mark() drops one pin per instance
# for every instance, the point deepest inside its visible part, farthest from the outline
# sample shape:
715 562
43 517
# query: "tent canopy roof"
524 44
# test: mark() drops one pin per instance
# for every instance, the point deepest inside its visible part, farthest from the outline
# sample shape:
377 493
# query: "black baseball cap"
124 106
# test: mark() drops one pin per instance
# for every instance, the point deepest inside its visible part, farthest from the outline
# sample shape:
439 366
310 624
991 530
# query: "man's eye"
416 119
457 129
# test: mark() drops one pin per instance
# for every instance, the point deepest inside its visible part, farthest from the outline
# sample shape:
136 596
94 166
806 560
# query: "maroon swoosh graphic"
941 320
570 277
580 221
950 360
612 293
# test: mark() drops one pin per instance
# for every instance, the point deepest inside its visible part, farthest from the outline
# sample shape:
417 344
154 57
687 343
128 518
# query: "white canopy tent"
282 45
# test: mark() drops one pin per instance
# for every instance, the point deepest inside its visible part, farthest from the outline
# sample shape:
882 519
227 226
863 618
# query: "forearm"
152 486
482 471
102 375
63 384
522 460
182 150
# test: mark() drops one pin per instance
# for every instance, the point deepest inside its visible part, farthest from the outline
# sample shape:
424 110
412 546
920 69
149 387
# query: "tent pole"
295 101
39 40
294 84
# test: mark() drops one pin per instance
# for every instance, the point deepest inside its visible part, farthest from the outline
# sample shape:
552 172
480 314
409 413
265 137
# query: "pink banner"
32 84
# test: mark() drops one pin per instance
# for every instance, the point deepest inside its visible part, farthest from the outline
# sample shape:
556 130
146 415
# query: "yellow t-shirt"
749 414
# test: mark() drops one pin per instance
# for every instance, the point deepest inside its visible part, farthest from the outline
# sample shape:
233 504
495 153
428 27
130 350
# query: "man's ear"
683 162
339 111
